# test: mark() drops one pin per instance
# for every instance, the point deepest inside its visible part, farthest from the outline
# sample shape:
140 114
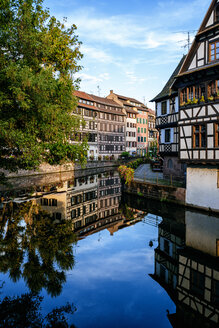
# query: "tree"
38 60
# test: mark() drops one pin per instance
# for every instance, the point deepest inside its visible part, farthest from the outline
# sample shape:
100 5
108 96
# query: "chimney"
111 91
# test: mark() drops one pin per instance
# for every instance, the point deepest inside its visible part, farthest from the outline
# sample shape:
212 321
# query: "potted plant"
202 99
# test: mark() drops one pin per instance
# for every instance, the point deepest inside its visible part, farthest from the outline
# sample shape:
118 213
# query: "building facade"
167 116
89 113
153 136
104 126
142 131
198 87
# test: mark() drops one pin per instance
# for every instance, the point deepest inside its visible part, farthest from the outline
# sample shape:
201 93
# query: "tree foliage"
38 60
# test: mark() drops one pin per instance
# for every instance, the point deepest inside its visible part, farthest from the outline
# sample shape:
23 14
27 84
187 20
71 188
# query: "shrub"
126 173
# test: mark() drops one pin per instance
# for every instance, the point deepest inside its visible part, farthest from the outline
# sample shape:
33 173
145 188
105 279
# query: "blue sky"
130 46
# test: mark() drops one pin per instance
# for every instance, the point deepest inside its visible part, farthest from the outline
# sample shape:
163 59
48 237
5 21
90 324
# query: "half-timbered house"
198 85
167 116
88 111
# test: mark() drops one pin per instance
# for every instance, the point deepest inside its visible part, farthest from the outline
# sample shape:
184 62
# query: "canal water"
79 253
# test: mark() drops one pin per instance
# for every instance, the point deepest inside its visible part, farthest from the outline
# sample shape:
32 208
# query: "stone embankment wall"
159 192
49 175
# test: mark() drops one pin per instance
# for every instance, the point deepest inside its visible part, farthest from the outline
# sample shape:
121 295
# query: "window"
172 105
170 164
216 133
166 246
214 51
143 121
141 139
163 107
167 135
144 130
77 224
138 139
215 292
141 130
138 130
197 282
199 136
144 139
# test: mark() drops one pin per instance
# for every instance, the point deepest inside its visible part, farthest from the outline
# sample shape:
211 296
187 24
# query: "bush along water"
126 173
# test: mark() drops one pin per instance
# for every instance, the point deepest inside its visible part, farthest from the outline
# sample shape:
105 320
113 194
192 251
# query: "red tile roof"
82 95
128 98
105 101
151 111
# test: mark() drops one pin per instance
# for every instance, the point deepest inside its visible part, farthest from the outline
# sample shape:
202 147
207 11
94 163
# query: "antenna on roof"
187 42
98 90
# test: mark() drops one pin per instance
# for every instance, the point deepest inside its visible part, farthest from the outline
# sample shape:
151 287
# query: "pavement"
144 171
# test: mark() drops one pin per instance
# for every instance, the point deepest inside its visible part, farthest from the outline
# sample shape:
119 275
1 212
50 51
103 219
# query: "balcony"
167 120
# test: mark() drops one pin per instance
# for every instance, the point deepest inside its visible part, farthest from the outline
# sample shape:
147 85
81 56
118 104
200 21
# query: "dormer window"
214 51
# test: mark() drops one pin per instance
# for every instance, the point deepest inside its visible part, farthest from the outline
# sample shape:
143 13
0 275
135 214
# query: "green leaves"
38 60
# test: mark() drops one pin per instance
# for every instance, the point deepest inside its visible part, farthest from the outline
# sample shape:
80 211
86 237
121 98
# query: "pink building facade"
142 131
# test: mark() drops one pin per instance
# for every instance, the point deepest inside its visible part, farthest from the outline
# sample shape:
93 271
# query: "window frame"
165 135
216 46
163 107
199 133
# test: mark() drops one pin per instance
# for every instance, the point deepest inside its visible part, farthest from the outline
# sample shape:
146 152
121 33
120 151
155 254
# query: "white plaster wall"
202 188
202 231
211 20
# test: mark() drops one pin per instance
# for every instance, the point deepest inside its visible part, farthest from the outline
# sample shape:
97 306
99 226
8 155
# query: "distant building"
130 106
167 116
105 125
152 131
142 130
88 110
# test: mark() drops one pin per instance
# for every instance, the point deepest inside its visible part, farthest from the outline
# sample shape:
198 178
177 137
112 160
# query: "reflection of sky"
110 285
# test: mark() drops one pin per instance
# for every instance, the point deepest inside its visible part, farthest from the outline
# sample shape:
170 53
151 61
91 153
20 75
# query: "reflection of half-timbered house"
198 85
198 273
109 192
171 238
167 116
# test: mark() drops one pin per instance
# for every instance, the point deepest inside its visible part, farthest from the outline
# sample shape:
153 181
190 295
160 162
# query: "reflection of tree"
127 212
24 311
35 247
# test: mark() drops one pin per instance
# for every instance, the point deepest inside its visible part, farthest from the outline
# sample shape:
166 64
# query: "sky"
130 46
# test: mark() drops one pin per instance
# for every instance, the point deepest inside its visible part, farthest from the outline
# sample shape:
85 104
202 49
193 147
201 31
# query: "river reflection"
79 246
187 266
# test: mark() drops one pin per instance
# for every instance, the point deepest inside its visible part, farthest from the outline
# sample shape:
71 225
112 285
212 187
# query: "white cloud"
88 78
96 54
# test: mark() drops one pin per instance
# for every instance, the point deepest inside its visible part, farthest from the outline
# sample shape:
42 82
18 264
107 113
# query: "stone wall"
172 166
159 192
